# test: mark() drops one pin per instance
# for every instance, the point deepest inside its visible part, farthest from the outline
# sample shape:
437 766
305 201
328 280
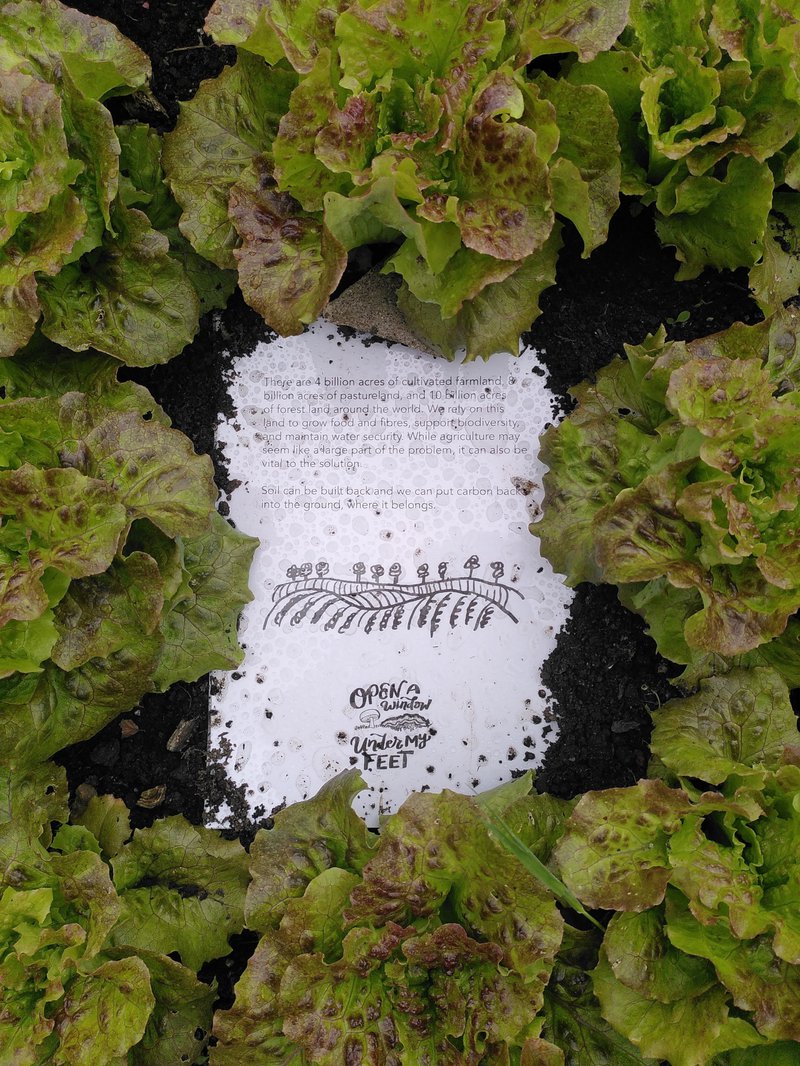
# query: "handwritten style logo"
312 597
392 725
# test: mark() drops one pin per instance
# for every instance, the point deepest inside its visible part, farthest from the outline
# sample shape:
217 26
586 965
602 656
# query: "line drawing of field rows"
310 597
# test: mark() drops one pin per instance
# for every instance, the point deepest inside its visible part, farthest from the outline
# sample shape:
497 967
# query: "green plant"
75 246
117 575
707 96
701 961
423 945
418 128
677 478
85 967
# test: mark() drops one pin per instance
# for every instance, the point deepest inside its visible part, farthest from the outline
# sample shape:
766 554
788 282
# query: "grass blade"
506 836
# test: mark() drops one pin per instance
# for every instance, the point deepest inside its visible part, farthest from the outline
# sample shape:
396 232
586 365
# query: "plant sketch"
311 597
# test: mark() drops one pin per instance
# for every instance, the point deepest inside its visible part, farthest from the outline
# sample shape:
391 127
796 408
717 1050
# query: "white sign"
402 609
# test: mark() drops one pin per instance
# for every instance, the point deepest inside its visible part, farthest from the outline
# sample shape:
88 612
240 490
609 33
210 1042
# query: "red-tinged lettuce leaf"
438 847
75 522
737 722
296 29
289 263
347 143
451 43
98 614
538 1052
106 1012
614 853
642 533
37 165
556 26
718 394
19 313
686 1032
586 171
181 888
589 461
198 625
298 170
98 58
154 471
757 981
311 922
130 299
493 320
336 977
504 204
777 837
392 992
698 220
307 838
230 121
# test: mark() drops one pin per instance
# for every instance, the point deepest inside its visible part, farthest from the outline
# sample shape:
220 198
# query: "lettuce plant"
701 961
707 96
416 127
117 575
76 249
676 477
88 964
424 945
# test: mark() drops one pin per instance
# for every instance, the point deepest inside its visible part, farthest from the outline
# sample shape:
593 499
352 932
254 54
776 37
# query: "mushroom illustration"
472 564
442 570
322 568
369 716
395 570
377 572
359 570
305 570
422 572
293 572
497 570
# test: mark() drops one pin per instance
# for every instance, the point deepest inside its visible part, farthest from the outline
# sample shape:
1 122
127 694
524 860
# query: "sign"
402 609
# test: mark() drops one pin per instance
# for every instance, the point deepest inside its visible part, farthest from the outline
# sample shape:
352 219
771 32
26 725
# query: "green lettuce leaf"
738 722
181 888
130 299
289 263
198 626
308 838
614 852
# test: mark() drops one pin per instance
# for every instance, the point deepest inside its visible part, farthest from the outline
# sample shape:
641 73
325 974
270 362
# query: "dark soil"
604 674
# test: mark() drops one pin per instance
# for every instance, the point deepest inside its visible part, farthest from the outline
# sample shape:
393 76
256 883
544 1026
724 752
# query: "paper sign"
402 609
